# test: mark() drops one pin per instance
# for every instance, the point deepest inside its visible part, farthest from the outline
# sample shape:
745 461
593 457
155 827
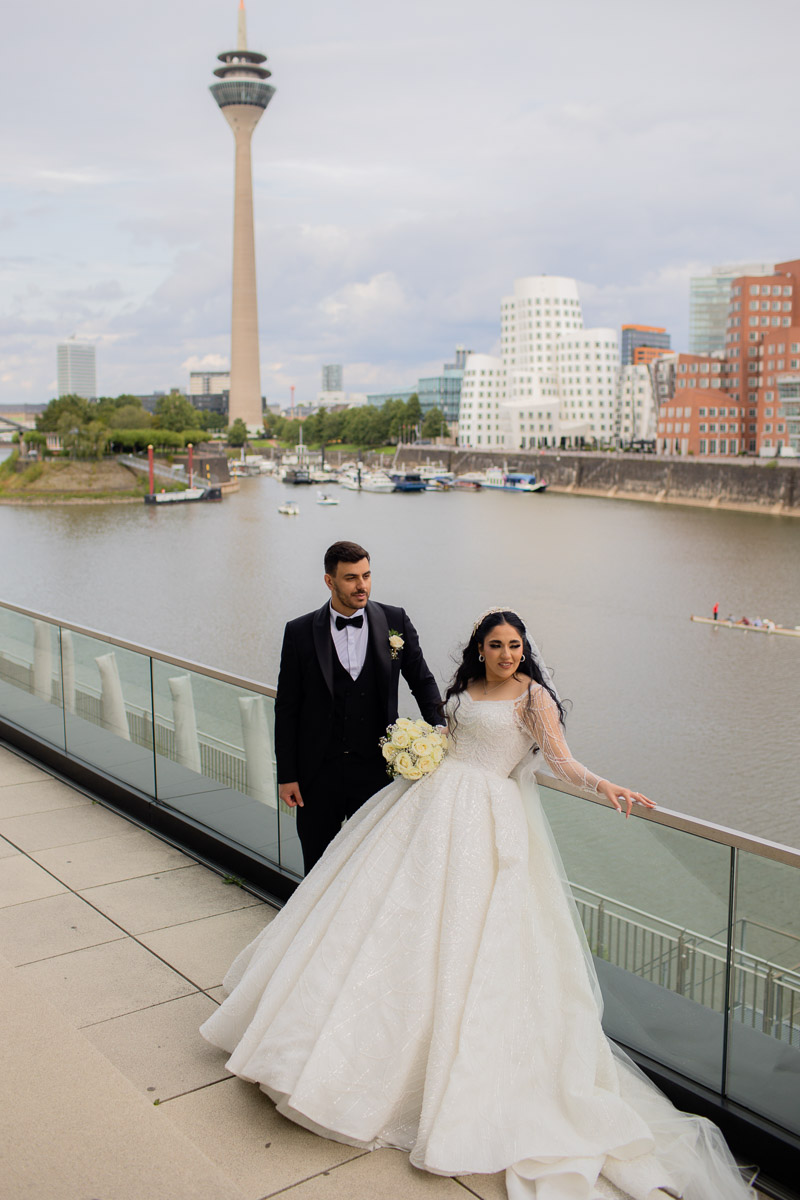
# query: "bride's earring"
481 658
522 659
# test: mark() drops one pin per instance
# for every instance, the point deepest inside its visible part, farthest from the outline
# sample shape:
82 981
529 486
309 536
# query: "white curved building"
636 407
588 367
558 380
483 389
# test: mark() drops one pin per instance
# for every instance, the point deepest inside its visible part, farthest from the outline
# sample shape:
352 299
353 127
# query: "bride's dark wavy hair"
471 667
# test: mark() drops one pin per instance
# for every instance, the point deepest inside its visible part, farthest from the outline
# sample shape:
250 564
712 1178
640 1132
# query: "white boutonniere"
396 643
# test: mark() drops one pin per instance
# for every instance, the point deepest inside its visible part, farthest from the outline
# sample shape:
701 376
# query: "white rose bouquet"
412 748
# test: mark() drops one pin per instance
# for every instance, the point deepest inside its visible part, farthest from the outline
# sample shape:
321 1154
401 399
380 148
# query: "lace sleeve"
540 719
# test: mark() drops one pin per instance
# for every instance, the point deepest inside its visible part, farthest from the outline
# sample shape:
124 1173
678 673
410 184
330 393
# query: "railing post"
601 929
729 957
767 1017
683 958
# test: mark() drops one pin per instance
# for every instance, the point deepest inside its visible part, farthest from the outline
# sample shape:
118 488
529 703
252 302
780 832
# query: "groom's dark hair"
348 552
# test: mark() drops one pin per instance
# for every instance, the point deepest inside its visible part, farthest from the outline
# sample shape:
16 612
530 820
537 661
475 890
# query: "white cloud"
209 362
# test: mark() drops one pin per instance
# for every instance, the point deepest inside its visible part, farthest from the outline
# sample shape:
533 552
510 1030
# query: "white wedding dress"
427 988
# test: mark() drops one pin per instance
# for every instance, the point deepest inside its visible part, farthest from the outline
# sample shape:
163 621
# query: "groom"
337 692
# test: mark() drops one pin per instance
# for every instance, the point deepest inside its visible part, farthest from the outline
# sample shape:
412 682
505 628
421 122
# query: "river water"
703 720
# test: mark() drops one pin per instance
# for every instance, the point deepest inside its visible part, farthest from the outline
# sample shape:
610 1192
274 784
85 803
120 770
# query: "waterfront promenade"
113 946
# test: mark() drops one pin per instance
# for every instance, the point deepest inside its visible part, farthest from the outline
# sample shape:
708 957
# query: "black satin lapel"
379 640
323 644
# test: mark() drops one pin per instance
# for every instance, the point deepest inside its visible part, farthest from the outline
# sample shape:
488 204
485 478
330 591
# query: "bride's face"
502 650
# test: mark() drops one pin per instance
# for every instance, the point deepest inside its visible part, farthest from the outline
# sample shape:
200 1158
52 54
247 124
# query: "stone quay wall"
740 483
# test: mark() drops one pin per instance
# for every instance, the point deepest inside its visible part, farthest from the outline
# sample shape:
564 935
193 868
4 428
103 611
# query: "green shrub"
32 473
8 466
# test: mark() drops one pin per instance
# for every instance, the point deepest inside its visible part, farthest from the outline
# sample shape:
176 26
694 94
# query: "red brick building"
762 343
700 420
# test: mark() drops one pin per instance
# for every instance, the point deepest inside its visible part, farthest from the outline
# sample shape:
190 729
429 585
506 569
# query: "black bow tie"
356 622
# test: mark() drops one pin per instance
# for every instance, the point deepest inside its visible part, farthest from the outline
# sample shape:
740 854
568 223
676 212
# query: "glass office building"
76 369
708 304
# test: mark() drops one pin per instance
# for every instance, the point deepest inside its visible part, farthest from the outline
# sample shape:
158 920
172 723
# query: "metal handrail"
250 685
668 818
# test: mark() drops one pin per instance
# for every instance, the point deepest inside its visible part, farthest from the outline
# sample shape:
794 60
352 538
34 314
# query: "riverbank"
740 485
69 482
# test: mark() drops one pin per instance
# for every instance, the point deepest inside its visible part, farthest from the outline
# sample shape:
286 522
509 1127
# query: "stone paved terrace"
113 946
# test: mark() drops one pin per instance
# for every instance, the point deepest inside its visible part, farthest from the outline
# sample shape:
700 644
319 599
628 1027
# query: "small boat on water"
288 509
359 479
513 481
298 474
324 498
188 496
468 483
407 481
749 627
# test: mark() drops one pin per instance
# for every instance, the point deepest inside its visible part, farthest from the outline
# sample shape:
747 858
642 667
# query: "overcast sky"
416 158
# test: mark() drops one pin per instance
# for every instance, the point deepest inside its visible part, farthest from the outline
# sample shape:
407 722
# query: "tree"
175 412
434 424
131 416
237 433
364 426
105 408
73 409
211 421
413 410
32 438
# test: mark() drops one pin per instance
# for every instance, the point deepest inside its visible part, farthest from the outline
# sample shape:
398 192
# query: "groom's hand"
290 795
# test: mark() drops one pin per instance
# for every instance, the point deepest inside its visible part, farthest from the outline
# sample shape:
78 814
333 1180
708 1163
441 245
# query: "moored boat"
359 479
513 481
407 481
297 474
187 496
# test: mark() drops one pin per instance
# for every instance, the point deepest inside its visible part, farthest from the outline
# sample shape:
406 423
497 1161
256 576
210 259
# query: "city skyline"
408 170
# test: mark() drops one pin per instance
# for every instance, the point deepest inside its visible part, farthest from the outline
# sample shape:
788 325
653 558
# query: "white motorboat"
359 479
324 498
288 509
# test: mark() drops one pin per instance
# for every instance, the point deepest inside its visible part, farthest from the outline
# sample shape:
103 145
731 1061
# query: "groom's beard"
349 599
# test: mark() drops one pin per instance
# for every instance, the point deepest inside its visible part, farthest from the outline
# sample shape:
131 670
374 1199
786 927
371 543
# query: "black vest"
358 714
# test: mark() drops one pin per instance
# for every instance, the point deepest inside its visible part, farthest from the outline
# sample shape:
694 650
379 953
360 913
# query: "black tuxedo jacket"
305 702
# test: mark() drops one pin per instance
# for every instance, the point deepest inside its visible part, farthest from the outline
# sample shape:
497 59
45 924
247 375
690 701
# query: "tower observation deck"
243 93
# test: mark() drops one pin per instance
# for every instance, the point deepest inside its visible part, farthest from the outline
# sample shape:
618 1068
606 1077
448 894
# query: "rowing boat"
748 628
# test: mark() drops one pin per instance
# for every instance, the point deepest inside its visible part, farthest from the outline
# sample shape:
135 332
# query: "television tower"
243 95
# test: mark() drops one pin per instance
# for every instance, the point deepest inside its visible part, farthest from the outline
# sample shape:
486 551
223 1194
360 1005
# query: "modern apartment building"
643 343
762 349
209 383
635 405
762 342
76 369
708 304
443 391
789 408
332 377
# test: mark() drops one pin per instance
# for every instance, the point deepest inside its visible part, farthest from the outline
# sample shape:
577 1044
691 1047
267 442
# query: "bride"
428 986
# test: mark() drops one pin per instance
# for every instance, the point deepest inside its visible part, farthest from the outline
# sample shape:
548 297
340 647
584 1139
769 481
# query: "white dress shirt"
350 642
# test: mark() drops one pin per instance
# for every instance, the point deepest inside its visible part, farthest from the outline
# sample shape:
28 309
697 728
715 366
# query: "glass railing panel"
107 708
654 903
30 675
215 760
764 1045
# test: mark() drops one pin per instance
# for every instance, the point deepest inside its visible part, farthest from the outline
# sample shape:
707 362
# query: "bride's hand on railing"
620 795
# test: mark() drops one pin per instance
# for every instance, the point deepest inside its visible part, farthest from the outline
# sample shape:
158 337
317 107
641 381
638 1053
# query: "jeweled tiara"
488 613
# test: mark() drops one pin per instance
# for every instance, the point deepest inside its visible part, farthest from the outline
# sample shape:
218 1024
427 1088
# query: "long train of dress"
426 988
